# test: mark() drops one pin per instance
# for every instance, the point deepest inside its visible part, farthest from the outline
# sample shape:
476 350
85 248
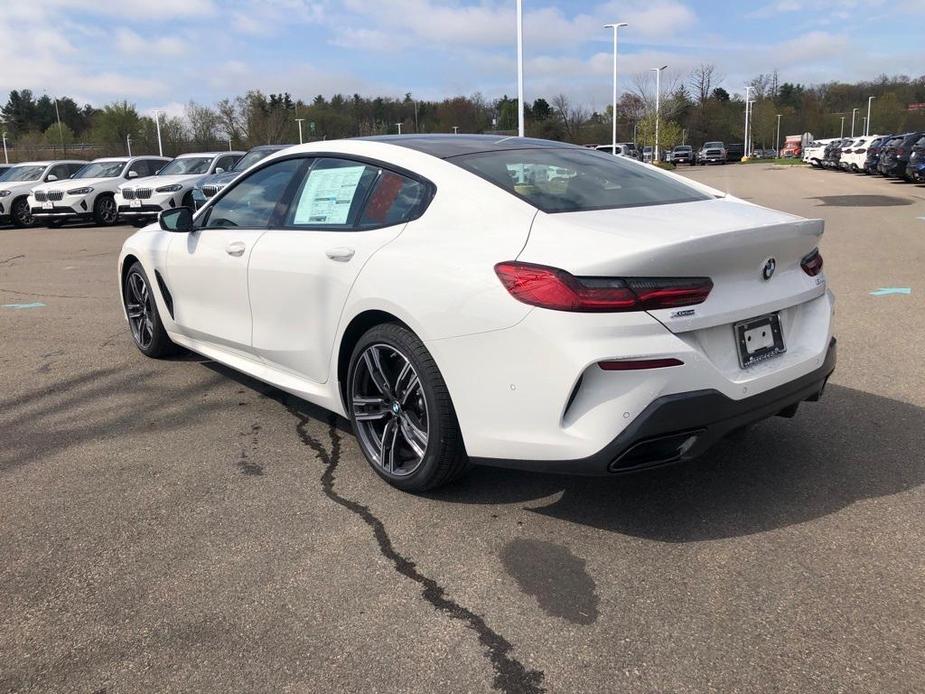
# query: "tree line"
694 108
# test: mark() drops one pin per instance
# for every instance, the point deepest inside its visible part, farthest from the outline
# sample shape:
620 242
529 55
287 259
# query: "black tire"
105 212
21 213
427 401
145 324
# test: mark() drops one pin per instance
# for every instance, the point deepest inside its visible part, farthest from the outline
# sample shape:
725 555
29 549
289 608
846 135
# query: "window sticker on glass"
328 195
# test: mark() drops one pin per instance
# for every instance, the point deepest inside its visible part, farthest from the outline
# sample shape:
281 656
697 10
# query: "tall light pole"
854 112
864 125
60 131
157 123
842 134
399 128
658 103
128 142
456 130
777 139
299 121
751 126
6 157
748 94
615 28
867 127
520 68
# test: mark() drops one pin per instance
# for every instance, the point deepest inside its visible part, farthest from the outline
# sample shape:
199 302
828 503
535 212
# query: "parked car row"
110 189
894 156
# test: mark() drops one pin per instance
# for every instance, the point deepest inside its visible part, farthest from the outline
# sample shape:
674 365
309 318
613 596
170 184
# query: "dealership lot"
174 526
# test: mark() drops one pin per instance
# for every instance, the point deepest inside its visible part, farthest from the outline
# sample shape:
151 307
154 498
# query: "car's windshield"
252 158
682 148
571 180
22 173
101 169
186 166
713 145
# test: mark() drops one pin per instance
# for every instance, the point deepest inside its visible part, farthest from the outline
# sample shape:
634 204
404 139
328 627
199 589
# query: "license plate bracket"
758 339
134 203
48 205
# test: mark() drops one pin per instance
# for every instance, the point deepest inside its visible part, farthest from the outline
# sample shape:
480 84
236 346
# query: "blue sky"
163 53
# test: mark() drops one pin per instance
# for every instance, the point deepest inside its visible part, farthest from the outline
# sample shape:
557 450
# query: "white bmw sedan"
470 299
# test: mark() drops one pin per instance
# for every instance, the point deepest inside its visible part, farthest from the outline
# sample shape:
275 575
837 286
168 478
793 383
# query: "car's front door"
206 271
301 271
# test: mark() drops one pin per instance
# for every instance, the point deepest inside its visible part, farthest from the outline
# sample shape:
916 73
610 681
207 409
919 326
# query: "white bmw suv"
89 193
20 179
172 186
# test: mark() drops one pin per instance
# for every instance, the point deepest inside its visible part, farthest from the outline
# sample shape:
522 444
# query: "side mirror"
132 174
219 169
179 220
51 177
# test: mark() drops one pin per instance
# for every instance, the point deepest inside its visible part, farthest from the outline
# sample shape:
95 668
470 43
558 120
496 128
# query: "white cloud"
134 44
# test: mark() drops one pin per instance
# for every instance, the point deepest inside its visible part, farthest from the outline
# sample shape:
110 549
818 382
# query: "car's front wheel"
105 212
143 317
21 213
401 411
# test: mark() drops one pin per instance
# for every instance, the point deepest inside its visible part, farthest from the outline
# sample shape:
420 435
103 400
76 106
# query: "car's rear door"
302 270
206 269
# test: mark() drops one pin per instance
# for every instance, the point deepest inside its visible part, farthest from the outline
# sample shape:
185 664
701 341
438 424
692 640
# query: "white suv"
88 195
814 152
172 186
18 180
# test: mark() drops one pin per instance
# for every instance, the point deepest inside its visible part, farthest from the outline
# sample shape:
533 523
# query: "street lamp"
777 139
658 98
748 94
399 128
869 100
60 131
520 68
615 28
128 142
842 134
299 121
864 125
456 130
751 126
157 123
6 157
854 112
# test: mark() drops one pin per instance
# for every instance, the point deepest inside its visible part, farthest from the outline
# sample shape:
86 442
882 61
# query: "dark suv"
915 170
735 152
897 155
873 154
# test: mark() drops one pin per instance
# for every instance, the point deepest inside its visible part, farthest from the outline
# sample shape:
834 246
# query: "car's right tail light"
552 288
812 264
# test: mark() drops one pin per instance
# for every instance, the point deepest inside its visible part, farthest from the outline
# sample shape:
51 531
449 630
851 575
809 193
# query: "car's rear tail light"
552 288
812 264
638 364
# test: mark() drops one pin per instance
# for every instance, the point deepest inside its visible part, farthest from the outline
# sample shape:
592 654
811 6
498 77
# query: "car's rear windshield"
573 180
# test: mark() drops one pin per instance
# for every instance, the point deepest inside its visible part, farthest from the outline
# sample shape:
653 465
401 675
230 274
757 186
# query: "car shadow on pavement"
849 447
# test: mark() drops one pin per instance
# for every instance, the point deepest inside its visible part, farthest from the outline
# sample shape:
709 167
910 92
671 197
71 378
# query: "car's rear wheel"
401 411
21 213
105 212
143 317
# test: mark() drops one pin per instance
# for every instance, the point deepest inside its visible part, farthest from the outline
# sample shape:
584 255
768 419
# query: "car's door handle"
235 248
341 255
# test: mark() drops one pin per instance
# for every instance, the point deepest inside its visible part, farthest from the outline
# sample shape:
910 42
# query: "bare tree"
702 80
644 84
572 117
203 124
232 119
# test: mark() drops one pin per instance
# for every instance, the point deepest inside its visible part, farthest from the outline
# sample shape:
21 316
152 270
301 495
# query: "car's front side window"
252 202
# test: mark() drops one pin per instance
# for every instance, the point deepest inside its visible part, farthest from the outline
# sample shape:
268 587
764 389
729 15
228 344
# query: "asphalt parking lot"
172 526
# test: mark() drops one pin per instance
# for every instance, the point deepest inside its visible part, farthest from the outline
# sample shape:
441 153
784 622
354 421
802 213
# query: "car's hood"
219 179
17 187
160 181
72 183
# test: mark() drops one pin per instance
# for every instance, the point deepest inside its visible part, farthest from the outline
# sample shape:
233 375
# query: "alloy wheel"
139 306
108 210
389 409
22 214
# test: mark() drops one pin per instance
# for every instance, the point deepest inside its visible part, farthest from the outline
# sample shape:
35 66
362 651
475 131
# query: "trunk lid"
728 240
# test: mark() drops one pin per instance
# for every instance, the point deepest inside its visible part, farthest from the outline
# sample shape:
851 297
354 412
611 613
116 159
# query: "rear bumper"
683 426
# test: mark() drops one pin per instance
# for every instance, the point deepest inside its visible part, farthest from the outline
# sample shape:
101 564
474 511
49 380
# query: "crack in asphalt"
511 676
10 260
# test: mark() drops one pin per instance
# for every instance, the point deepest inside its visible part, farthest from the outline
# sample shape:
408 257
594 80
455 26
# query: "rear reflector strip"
637 364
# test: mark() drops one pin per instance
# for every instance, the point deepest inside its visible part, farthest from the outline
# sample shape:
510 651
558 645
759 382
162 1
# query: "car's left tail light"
812 264
552 288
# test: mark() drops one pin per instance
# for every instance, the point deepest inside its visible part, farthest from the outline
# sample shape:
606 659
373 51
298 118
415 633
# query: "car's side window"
140 168
73 168
253 201
227 162
332 195
60 172
395 199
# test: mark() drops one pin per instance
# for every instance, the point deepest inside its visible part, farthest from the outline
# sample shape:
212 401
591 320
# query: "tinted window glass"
395 199
252 202
332 194
567 180
227 162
